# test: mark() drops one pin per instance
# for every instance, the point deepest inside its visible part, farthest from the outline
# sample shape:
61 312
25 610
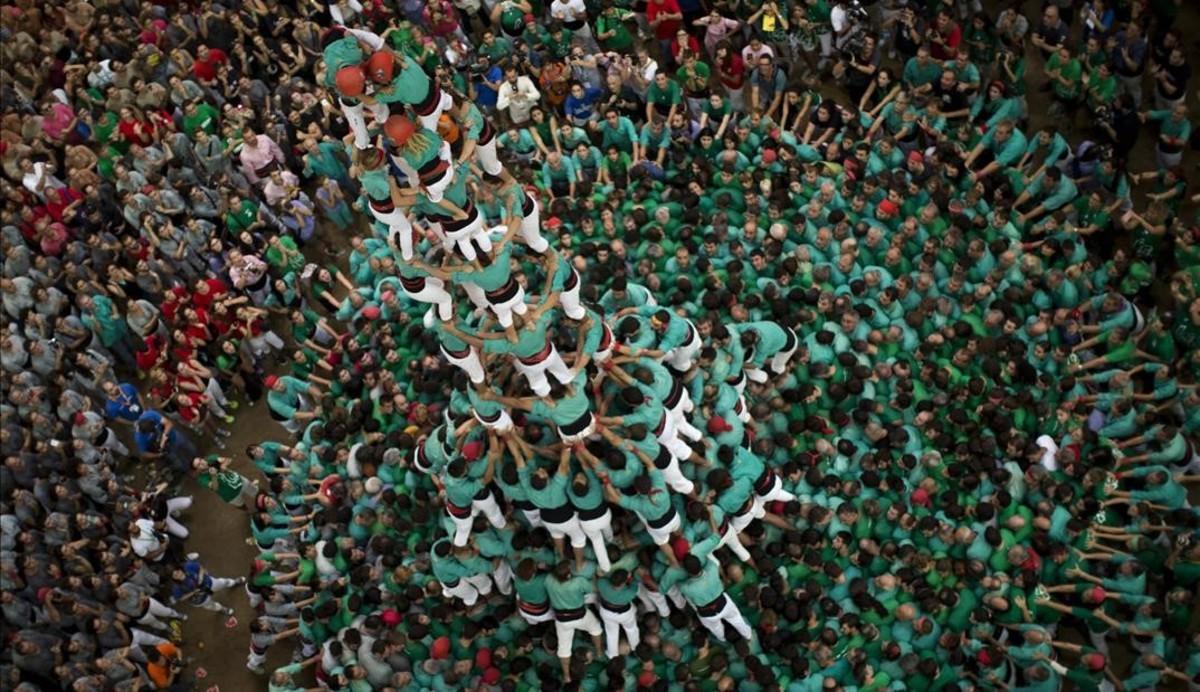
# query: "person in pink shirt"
259 156
60 123
716 29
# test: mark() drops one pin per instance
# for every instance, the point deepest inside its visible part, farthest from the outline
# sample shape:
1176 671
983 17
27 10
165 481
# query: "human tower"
607 421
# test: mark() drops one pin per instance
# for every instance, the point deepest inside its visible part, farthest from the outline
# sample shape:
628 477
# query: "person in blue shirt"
122 402
485 81
580 106
156 437
193 584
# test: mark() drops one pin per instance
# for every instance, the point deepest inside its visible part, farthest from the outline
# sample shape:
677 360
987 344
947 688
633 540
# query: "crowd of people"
767 344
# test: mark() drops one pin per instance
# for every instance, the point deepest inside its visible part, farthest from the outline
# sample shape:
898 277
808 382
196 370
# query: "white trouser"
462 237
436 190
400 230
536 374
435 293
430 122
113 444
779 361
531 229
358 124
598 531
678 416
143 638
476 295
741 521
262 344
776 493
653 600
567 529
469 589
730 540
158 610
579 436
742 410
661 536
218 584
469 364
613 624
502 425
485 154
681 357
513 306
730 614
216 394
488 507
669 438
565 631
502 574
675 478
533 516
535 619
569 300
174 506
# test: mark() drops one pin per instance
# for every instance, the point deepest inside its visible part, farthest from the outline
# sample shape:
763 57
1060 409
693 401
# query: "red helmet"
399 129
350 80
381 66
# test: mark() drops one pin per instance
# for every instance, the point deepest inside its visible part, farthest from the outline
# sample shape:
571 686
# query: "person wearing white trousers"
155 610
615 621
468 361
174 506
204 598
684 355
400 229
504 302
668 437
778 362
535 372
262 344
423 289
531 225
484 503
353 112
469 589
466 234
714 616
568 296
596 524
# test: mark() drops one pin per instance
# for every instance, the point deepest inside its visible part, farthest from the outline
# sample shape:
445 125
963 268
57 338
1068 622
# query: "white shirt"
146 542
1049 452
40 176
522 96
568 10
837 17
751 56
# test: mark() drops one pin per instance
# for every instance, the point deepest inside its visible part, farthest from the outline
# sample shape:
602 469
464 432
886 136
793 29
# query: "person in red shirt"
731 69
665 18
684 43
208 62
207 291
148 357
944 37
135 130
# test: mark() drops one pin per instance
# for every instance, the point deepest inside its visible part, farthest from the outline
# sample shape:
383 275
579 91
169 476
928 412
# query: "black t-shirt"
950 99
1053 35
1177 80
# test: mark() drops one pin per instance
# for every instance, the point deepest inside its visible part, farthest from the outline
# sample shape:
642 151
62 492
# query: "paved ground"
219 532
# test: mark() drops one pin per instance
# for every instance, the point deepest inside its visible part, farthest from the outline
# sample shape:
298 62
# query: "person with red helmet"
398 81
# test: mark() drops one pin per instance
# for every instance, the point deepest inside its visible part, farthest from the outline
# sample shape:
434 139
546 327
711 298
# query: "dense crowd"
766 343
